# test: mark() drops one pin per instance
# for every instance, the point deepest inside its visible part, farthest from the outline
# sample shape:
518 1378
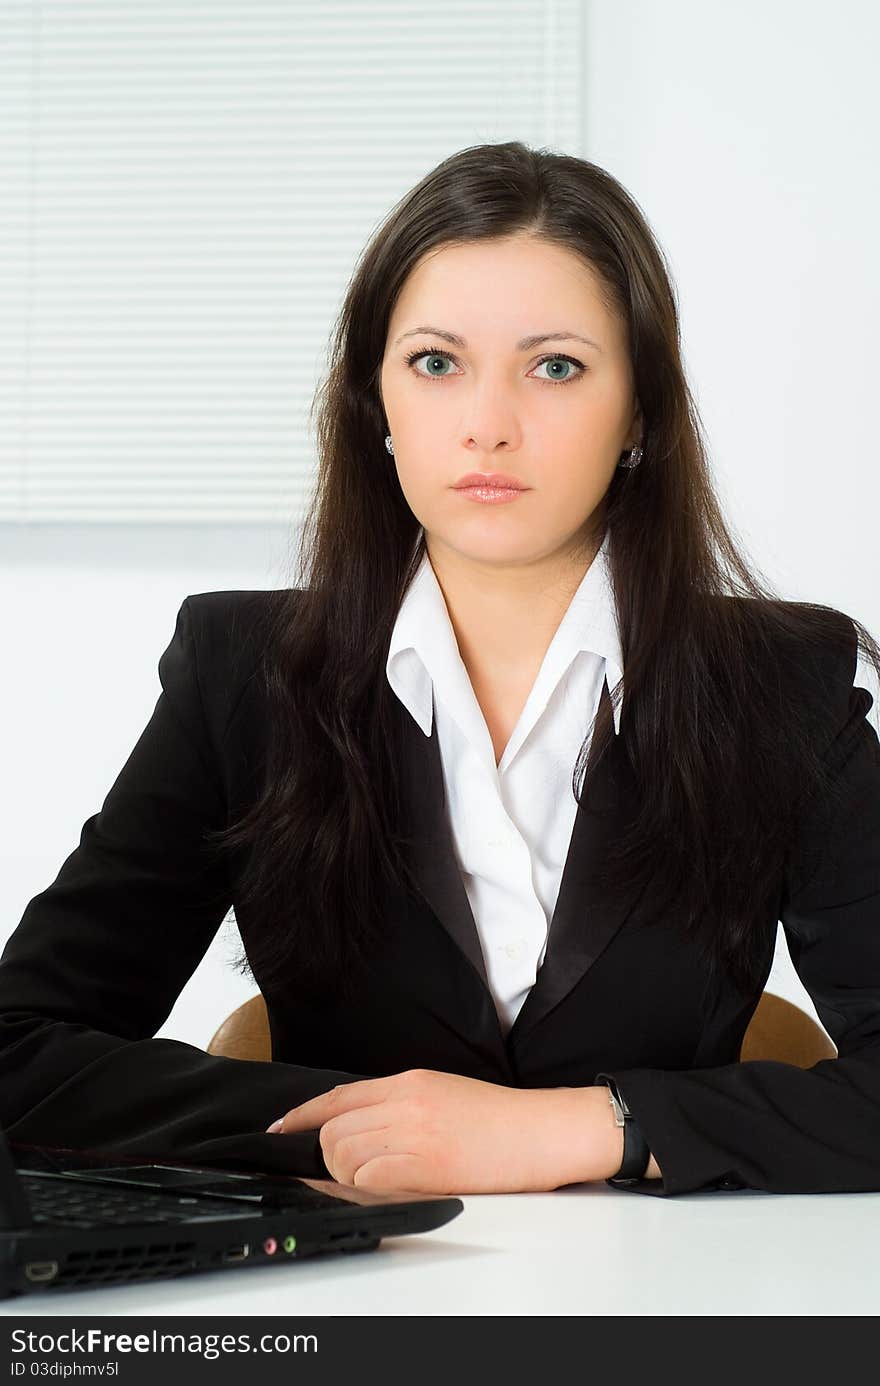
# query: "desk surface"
586 1249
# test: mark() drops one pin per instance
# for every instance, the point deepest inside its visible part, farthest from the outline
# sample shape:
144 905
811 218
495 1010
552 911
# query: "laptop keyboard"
75 1203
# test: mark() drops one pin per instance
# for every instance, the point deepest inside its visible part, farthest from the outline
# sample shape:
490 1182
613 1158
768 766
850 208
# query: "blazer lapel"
432 855
584 920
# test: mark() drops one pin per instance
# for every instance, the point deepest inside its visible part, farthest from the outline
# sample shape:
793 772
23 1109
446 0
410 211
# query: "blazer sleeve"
768 1125
93 969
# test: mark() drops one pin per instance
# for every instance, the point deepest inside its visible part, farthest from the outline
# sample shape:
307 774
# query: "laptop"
74 1219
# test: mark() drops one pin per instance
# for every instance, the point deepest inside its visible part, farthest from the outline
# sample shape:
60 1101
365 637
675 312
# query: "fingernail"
276 1125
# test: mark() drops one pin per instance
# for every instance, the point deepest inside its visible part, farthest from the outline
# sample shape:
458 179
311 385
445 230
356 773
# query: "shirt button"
515 950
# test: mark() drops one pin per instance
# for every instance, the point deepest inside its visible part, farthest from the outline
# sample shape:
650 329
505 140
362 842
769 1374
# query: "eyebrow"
525 344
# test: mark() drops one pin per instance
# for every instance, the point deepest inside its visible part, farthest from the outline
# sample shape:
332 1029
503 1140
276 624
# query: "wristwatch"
636 1152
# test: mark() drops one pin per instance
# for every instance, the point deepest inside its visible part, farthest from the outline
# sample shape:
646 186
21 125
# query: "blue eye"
436 354
433 356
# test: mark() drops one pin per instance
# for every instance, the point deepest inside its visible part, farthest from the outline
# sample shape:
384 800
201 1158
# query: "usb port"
236 1253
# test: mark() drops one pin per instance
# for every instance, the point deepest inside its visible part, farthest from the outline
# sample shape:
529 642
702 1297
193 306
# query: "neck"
505 615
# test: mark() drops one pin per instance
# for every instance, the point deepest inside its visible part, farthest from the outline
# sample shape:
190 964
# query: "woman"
495 908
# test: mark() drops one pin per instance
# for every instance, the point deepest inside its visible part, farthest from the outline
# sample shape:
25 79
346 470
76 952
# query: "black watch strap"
636 1152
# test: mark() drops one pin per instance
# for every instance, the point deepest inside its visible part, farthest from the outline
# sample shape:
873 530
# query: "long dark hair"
725 764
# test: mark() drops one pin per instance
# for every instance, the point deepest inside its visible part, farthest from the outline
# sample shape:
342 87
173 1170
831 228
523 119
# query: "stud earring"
634 458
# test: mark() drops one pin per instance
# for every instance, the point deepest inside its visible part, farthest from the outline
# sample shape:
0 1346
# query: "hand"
423 1131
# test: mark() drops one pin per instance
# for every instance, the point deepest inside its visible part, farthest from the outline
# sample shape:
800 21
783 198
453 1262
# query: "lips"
492 479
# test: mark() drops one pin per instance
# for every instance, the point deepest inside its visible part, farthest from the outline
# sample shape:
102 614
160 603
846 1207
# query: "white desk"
586 1249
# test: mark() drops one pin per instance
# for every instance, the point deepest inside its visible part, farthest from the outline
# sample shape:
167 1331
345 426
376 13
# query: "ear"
636 429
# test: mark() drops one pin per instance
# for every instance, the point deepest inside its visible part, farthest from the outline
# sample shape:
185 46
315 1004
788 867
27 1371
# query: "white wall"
748 135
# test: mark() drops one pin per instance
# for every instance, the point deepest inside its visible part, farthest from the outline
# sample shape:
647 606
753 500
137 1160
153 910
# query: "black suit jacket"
94 967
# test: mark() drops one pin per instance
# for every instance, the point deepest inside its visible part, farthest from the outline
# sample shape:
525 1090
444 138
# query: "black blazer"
96 963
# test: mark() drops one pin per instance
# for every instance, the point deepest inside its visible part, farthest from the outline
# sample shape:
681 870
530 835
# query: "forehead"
502 290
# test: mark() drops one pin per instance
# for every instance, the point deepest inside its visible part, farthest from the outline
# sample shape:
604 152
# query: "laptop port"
236 1253
38 1271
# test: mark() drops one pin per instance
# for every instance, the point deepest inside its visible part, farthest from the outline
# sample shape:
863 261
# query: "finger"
343 1098
348 1155
397 1172
352 1137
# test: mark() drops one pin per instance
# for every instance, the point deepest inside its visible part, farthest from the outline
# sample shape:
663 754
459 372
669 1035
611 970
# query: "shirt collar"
423 638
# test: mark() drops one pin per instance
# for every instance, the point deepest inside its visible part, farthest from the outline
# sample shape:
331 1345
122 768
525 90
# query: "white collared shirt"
511 824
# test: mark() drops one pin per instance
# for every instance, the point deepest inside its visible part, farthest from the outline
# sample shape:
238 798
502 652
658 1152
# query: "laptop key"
84 1205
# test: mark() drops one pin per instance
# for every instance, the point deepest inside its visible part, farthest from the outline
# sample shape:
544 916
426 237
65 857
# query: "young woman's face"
555 414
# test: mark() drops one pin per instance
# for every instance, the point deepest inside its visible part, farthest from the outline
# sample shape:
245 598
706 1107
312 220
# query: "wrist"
593 1148
638 1162
613 1135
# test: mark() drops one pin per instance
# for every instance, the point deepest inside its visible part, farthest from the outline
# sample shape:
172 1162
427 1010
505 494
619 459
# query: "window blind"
185 191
